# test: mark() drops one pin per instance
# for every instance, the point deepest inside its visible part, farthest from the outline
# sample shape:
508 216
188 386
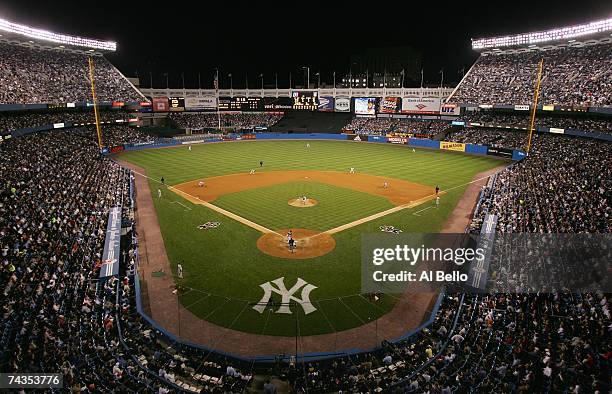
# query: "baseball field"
227 227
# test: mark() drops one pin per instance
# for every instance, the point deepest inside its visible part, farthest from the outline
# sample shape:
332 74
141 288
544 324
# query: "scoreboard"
306 100
176 104
241 104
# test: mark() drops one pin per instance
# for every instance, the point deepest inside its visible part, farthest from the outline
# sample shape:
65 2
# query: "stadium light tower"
63 39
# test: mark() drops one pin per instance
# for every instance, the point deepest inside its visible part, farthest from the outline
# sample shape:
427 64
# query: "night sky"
280 37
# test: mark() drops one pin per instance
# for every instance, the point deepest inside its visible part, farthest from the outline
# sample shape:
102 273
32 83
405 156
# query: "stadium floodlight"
43 35
563 33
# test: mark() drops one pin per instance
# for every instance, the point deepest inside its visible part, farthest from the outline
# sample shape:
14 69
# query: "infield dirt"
398 191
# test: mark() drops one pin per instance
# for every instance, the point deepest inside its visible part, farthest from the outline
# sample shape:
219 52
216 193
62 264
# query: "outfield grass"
224 268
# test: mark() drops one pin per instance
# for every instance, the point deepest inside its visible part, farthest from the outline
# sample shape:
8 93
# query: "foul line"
421 210
336 230
181 204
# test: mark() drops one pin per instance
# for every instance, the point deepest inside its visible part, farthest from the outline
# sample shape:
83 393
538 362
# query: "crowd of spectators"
33 75
588 124
571 76
241 121
55 195
382 126
20 120
563 186
502 138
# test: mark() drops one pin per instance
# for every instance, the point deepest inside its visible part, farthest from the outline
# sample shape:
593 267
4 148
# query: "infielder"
252 171
352 170
304 199
201 184
386 185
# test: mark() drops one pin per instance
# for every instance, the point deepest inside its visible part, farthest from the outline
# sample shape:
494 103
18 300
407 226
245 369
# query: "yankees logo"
208 225
278 286
390 229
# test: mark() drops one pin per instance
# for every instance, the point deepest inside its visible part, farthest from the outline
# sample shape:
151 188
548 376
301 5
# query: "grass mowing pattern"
223 266
334 206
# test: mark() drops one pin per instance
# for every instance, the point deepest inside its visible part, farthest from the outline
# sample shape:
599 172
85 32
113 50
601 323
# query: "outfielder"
179 271
158 193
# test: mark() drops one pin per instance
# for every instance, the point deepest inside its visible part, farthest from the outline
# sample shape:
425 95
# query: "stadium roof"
591 30
10 31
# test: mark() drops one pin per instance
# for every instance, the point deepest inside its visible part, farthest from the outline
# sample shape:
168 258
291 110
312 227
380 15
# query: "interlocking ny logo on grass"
278 286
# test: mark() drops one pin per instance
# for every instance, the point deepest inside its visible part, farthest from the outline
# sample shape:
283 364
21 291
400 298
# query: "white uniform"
158 193
437 201
352 170
201 184
179 271
189 148
252 172
386 185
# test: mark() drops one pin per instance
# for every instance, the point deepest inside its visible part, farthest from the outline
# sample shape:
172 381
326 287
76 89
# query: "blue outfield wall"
476 149
423 143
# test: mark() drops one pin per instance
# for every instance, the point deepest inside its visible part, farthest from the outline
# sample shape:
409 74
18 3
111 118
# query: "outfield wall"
473 149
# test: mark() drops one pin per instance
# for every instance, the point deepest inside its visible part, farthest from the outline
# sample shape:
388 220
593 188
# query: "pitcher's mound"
309 243
299 203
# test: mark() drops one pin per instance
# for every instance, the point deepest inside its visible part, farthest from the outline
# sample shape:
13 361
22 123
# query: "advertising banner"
398 140
160 104
501 152
365 106
206 102
421 105
357 137
342 104
390 105
450 109
278 103
521 107
306 100
456 146
326 104
556 130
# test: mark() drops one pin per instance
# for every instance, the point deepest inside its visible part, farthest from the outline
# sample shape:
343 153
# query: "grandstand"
70 308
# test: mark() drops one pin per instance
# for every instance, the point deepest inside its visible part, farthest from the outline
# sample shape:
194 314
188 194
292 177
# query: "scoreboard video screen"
305 100
241 104
176 104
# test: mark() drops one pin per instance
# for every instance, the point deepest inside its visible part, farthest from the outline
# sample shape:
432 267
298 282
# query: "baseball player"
413 151
163 181
291 245
179 271
261 163
308 145
304 199
386 185
289 235
352 170
189 148
437 189
201 184
252 171
437 201
158 193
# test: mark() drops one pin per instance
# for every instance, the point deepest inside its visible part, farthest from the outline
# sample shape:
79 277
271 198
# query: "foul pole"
534 106
95 100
